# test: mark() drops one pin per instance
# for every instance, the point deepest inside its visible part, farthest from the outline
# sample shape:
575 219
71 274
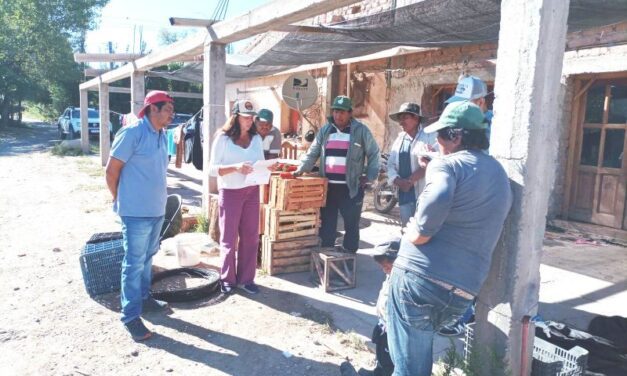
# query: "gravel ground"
49 207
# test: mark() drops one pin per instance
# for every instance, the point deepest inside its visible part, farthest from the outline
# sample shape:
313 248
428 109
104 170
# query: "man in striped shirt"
349 158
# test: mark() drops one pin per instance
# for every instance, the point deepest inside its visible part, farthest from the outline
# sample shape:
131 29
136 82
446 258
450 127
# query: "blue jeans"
417 308
407 211
141 242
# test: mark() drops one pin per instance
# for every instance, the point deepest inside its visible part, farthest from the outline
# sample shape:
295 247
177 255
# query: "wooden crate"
262 218
334 270
301 193
264 193
287 256
288 224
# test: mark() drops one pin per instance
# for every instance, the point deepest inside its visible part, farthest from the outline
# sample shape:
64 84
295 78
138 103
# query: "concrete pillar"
213 89
524 139
84 121
105 141
138 88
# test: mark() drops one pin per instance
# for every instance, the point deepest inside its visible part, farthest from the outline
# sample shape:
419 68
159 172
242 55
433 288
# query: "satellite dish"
300 91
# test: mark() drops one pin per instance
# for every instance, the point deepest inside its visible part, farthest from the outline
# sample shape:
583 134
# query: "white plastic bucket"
187 251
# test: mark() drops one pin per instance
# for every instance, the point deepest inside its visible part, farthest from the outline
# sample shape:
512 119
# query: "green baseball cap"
342 102
459 115
265 115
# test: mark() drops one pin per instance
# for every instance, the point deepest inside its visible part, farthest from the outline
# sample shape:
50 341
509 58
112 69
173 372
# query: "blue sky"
121 20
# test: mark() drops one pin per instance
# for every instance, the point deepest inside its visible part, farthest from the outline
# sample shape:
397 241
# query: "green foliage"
37 38
451 361
62 151
481 361
202 224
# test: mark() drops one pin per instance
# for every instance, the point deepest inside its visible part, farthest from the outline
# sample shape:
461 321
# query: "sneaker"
471 320
454 330
225 288
138 330
153 305
250 288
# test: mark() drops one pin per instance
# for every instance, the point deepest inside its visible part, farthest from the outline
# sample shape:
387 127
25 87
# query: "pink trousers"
239 234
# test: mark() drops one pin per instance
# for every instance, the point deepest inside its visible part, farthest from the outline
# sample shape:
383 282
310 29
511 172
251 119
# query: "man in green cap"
270 136
446 250
349 158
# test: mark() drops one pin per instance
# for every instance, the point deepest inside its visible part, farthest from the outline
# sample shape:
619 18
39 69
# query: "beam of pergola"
259 20
175 94
104 58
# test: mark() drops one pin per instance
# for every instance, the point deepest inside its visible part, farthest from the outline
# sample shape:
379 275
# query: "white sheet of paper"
260 174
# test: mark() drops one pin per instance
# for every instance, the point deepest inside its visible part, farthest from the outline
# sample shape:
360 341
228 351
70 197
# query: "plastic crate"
469 336
104 237
551 360
101 265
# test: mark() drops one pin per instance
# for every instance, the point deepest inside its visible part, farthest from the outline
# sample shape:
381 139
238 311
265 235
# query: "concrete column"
105 141
138 87
524 139
213 89
84 121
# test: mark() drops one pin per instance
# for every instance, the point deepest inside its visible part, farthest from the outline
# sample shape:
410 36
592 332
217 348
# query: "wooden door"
599 182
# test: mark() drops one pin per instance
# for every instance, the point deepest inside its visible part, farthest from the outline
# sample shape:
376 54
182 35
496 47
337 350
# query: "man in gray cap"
404 168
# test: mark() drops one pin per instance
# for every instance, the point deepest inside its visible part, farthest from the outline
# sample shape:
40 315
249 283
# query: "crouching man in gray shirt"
447 247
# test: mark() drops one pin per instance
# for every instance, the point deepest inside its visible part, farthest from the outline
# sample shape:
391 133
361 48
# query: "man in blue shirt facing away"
136 178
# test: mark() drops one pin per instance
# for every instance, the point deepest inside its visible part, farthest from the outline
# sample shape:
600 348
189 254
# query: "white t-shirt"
225 152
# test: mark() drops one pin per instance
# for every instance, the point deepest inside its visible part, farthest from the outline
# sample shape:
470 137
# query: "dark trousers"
338 200
384 367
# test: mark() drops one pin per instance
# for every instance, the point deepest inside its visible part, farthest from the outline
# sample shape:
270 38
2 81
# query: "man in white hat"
474 90
403 167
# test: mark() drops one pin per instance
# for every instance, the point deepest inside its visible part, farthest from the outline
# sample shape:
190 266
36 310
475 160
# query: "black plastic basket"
104 237
101 265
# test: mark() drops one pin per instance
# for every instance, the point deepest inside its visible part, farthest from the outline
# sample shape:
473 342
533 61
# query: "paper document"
260 174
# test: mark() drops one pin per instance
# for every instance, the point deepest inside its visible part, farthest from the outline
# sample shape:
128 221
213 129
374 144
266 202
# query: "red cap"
153 97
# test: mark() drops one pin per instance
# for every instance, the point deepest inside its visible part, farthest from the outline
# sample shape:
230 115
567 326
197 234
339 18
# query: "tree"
37 38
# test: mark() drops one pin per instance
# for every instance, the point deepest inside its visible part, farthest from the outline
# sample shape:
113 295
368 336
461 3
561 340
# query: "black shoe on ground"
250 288
153 305
226 288
138 330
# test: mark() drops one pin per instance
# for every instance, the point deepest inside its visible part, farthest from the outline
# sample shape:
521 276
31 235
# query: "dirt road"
49 206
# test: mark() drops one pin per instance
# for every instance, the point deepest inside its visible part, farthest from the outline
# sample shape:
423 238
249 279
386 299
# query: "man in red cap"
136 178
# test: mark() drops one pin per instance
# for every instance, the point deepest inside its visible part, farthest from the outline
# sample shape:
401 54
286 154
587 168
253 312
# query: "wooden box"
334 270
262 218
264 193
287 256
288 224
300 193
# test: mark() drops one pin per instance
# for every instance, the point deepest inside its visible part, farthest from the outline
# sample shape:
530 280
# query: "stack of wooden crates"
290 219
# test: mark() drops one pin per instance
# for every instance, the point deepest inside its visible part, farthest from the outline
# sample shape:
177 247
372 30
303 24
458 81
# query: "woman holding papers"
235 149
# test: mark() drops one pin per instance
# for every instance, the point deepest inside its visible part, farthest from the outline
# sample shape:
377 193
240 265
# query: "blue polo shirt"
142 190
